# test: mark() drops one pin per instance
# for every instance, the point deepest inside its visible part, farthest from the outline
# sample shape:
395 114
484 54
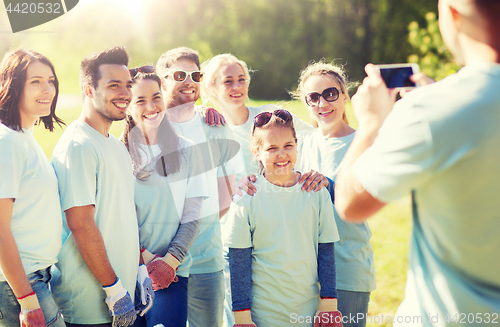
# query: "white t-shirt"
27 176
353 253
94 170
221 158
159 201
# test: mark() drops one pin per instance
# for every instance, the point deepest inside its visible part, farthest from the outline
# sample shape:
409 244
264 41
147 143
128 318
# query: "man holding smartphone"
441 144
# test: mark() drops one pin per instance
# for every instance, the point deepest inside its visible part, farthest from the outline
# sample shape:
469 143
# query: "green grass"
390 227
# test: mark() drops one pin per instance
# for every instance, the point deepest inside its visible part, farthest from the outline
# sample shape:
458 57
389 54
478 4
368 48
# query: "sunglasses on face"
264 117
330 94
180 76
149 69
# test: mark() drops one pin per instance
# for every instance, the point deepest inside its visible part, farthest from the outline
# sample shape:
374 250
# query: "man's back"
441 142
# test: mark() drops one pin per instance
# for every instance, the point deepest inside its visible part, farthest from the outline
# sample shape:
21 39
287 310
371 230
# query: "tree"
431 54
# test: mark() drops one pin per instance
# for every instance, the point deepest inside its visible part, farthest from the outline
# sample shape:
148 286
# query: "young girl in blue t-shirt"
281 240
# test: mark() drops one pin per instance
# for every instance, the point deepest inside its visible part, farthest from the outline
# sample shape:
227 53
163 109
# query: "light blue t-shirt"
221 157
94 170
159 201
283 226
27 176
441 142
353 253
243 135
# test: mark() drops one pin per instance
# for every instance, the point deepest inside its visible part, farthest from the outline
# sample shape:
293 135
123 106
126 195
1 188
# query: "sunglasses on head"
149 69
330 94
180 76
264 117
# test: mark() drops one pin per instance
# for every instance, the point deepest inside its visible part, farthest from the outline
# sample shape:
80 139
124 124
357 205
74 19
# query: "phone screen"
397 77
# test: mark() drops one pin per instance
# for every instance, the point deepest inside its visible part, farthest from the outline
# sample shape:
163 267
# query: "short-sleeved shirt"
27 177
159 200
353 253
221 157
440 142
243 135
94 170
283 226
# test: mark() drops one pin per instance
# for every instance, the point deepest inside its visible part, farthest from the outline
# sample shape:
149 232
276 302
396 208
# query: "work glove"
31 314
162 271
243 319
144 294
147 256
328 319
120 304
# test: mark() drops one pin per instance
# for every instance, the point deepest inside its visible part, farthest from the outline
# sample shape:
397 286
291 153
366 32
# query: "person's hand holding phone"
420 79
373 101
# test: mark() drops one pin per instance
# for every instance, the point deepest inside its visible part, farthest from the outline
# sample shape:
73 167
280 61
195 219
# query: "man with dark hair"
96 274
179 70
439 143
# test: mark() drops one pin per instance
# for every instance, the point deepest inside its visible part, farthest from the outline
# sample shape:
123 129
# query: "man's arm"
226 188
90 244
371 104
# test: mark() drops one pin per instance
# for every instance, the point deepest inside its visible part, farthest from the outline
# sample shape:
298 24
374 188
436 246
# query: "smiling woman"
165 167
30 215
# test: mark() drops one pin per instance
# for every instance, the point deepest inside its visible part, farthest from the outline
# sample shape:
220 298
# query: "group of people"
162 226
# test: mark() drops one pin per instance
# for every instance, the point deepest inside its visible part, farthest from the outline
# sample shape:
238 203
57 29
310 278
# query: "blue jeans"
206 299
352 303
169 307
10 308
228 301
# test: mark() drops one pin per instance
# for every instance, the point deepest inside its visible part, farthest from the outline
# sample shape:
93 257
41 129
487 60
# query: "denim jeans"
169 307
352 303
228 301
10 308
206 299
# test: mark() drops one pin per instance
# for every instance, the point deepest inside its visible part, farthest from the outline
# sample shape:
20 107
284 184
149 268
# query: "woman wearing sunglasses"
323 88
30 210
169 190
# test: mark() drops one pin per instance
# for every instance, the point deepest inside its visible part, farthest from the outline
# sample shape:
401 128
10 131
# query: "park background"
277 39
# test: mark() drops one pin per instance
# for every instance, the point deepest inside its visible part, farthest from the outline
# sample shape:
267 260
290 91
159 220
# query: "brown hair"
274 122
169 162
89 69
168 58
321 68
12 81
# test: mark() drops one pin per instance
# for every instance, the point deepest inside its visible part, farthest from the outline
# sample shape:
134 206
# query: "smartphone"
397 76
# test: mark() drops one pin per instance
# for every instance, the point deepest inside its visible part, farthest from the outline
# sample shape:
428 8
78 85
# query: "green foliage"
277 38
434 59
